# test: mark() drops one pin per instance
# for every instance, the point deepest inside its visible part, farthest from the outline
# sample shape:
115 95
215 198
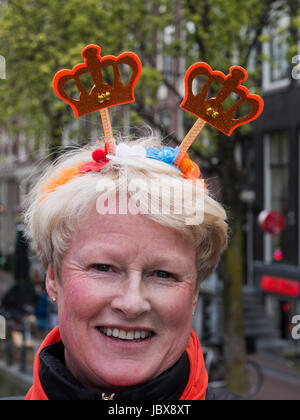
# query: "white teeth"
130 335
125 335
122 335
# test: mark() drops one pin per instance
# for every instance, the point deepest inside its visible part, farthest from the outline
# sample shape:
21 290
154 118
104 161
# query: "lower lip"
124 344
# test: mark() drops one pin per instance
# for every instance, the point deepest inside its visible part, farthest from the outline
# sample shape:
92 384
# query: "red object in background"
286 308
278 255
280 286
271 222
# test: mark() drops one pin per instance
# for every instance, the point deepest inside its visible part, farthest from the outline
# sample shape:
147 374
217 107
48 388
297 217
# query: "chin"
124 377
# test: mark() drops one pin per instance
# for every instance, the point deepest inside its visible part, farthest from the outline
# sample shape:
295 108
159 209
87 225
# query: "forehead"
129 234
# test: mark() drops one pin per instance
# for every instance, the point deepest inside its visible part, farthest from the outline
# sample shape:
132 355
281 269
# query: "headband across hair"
103 96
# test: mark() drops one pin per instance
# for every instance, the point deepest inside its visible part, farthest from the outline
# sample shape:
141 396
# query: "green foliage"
40 37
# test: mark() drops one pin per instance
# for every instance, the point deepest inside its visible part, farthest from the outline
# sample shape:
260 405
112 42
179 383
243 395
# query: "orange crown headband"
103 95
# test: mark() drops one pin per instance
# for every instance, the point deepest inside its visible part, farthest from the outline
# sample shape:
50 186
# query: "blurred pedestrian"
21 297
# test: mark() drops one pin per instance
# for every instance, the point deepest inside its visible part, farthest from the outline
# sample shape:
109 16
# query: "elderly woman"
126 282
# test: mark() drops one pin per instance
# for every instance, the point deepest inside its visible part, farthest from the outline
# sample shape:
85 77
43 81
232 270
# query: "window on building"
252 61
165 118
276 192
168 62
276 67
279 48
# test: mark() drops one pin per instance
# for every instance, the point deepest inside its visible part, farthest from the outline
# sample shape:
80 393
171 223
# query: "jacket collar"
59 384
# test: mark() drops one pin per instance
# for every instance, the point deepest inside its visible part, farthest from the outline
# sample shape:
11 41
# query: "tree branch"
199 41
263 22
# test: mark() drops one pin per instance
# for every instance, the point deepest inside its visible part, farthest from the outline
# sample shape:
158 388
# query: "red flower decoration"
100 160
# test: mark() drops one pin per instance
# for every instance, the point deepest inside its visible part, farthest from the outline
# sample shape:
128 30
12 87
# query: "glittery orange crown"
102 95
212 110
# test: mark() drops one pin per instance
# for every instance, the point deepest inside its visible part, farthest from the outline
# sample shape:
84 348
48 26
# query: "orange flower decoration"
65 176
189 168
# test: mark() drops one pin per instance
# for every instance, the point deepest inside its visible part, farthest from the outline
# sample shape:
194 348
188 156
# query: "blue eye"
101 267
164 274
105 268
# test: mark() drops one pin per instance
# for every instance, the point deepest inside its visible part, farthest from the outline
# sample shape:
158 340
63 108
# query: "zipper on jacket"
107 397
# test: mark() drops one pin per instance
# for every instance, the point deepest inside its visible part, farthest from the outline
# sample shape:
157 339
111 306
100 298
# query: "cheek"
79 300
176 314
175 308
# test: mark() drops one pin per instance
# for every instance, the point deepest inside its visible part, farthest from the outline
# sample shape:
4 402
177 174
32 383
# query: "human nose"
131 299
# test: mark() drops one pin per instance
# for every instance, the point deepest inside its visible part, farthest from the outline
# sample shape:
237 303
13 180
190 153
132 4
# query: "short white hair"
51 222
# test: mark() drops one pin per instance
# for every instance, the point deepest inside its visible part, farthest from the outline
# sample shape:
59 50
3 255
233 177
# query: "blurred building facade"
275 266
270 161
18 161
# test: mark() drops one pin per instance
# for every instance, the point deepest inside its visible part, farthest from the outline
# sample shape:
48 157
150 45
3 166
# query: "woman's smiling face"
129 277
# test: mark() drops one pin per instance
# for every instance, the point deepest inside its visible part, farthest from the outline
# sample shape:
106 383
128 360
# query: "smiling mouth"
129 336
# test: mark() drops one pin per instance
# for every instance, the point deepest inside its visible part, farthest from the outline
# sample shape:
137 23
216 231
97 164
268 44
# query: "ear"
51 282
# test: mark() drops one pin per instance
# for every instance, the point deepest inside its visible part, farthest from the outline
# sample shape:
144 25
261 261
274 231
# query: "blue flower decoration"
166 154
